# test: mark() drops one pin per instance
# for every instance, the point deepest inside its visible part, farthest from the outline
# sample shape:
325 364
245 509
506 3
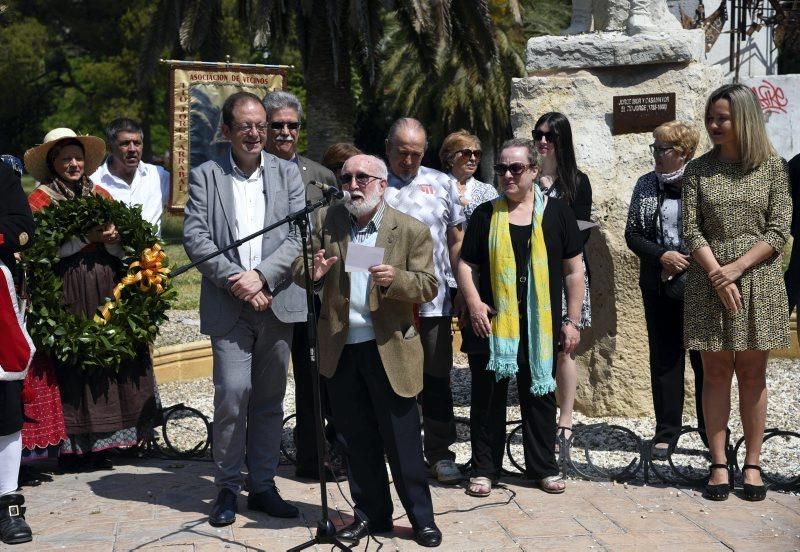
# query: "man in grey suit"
248 303
283 121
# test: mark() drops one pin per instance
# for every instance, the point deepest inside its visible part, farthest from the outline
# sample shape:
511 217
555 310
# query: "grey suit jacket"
311 170
210 224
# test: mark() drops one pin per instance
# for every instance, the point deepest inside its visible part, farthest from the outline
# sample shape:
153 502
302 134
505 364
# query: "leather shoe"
313 474
223 512
428 536
270 502
360 529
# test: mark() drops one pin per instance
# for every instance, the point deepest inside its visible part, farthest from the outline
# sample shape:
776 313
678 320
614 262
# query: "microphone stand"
326 531
290 218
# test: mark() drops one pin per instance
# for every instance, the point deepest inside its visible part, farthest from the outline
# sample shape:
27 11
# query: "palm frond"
365 23
196 23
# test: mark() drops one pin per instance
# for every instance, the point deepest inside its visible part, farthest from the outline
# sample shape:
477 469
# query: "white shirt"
248 195
149 188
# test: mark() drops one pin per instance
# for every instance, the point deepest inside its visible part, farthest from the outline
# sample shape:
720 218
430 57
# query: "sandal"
550 484
561 435
753 493
479 486
718 492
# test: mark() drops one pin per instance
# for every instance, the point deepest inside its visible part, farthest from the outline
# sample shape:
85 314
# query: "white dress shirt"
248 194
149 188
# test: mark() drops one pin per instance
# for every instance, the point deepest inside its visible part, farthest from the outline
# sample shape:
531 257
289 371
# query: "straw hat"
94 149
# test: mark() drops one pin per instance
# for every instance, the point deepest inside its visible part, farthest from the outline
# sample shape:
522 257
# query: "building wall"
758 53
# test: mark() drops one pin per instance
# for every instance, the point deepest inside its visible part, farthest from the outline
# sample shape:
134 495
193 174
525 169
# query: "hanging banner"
198 90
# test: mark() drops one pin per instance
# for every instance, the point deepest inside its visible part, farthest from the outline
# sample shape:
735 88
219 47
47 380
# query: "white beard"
363 206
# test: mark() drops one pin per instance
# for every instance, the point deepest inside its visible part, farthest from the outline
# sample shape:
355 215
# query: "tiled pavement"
161 504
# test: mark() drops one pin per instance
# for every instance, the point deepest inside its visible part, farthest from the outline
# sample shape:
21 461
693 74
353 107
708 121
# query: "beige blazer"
409 249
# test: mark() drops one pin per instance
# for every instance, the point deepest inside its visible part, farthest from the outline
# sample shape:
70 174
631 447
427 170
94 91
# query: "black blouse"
562 240
581 203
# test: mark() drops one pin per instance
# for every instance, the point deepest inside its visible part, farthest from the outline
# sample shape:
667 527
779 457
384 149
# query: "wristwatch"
567 321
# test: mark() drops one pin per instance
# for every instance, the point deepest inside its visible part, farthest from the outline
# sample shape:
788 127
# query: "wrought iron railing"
586 453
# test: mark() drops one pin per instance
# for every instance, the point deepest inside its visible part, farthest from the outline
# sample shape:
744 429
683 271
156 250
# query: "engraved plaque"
642 113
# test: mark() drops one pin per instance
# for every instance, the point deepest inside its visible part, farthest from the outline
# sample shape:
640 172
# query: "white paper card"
361 257
584 224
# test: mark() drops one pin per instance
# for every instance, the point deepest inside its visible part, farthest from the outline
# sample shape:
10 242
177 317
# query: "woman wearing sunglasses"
561 178
460 155
654 233
518 252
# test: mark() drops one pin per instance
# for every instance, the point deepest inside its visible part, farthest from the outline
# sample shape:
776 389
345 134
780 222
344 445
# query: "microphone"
331 191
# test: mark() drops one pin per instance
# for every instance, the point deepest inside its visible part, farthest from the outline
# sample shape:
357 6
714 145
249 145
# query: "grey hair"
278 99
408 124
380 167
122 124
530 145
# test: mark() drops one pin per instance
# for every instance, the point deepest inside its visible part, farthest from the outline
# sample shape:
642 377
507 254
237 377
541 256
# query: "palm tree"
470 79
453 40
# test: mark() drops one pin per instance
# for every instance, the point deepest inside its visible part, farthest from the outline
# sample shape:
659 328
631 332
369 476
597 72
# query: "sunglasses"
549 136
659 150
362 179
514 168
277 125
468 153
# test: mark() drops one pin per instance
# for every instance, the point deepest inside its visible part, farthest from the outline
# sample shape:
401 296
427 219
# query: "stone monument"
637 49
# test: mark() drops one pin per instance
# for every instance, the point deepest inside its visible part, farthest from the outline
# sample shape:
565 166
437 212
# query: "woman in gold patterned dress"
736 214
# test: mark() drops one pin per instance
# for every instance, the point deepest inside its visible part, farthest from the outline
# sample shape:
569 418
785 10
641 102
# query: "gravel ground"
183 326
608 449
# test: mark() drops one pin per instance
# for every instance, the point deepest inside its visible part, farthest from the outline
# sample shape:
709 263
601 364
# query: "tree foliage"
360 64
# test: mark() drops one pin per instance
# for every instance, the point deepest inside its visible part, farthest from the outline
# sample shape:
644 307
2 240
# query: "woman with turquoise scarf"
515 253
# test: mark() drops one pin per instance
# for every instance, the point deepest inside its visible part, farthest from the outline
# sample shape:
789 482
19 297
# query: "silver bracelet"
567 321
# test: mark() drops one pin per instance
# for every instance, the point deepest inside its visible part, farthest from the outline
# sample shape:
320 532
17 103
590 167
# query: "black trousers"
371 419
664 317
488 423
10 407
437 396
792 276
305 440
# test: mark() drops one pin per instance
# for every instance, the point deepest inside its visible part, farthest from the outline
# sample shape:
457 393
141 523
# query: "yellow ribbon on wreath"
148 272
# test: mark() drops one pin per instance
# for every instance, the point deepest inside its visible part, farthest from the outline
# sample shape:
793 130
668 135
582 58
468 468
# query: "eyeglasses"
362 179
660 150
244 128
278 125
549 136
468 153
515 168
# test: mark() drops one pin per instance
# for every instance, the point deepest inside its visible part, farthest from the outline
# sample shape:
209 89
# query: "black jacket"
642 231
16 220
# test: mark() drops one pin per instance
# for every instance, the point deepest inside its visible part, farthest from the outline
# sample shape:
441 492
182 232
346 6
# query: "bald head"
405 146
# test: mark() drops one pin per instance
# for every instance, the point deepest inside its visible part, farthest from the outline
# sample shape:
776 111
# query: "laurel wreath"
128 320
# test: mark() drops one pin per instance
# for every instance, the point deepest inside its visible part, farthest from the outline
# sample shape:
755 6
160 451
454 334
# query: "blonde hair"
682 137
456 141
748 124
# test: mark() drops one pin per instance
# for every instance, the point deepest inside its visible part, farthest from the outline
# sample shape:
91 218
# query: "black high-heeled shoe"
753 493
718 492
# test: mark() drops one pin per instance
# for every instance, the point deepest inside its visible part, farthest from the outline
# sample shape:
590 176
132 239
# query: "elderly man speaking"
370 351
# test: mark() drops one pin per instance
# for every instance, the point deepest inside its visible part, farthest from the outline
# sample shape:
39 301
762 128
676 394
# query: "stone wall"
613 357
